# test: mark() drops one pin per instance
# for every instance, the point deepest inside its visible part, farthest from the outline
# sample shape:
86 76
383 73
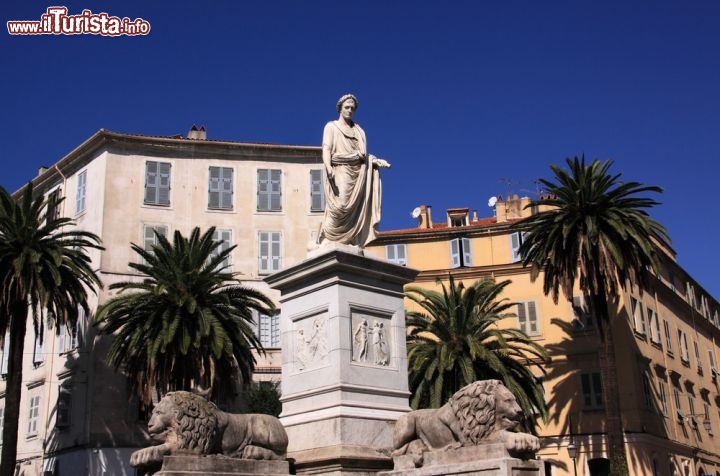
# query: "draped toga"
352 198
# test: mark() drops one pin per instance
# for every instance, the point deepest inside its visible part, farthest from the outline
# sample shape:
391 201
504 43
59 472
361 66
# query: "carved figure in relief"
380 344
185 423
482 412
360 337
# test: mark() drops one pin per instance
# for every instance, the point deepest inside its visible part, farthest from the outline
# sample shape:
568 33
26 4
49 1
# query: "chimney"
197 133
425 216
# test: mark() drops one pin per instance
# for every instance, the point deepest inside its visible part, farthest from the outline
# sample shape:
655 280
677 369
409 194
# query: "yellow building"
76 417
667 341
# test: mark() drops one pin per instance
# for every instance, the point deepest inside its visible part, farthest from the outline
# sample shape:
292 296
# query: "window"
150 233
668 339
697 357
317 191
81 191
654 324
516 239
647 391
220 188
33 415
64 406
711 359
691 411
396 254
527 318
268 329
67 340
157 183
38 355
460 253
592 390
53 205
638 316
5 355
706 414
582 319
225 237
269 256
662 393
269 190
676 397
684 354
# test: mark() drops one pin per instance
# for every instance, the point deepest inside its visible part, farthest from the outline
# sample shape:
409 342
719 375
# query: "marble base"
344 371
221 466
482 460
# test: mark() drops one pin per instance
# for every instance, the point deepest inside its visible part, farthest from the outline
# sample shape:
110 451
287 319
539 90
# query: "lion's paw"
146 456
521 442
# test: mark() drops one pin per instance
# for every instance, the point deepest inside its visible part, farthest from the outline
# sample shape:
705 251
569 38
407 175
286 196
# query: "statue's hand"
379 163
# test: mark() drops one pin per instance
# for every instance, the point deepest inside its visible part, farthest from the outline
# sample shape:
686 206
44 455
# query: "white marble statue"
352 181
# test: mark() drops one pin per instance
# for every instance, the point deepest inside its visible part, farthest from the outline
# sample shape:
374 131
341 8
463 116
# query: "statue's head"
347 97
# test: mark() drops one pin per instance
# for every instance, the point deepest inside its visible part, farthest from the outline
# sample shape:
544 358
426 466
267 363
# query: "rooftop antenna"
507 182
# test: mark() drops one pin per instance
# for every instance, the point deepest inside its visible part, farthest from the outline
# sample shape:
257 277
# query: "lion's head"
483 408
186 418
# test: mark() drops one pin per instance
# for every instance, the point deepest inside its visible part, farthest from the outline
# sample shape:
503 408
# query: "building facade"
667 341
77 416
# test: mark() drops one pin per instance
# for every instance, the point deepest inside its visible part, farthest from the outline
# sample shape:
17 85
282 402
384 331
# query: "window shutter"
275 196
515 246
81 191
275 329
597 388
275 251
64 405
38 356
586 390
455 253
390 253
151 182
532 318
214 188
401 255
522 317
264 252
5 355
164 183
317 193
467 252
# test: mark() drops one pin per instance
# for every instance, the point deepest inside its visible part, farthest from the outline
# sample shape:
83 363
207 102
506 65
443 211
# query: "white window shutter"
467 252
455 253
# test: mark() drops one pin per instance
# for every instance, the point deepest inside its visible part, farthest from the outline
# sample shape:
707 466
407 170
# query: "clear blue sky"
461 97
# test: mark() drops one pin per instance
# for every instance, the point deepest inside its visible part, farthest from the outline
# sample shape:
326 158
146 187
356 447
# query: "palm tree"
187 324
44 269
594 229
455 340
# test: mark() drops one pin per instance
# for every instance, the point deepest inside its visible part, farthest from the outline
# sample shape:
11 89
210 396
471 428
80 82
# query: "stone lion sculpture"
481 412
187 424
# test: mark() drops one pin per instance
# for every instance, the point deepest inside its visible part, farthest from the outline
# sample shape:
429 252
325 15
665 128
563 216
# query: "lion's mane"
196 421
474 408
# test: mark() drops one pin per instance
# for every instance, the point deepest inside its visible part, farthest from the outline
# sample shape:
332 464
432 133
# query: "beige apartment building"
76 414
667 343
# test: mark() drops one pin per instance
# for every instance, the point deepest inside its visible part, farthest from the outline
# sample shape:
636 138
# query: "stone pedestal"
220 466
344 365
482 460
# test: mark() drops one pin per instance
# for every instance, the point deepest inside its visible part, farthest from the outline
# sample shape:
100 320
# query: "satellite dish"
416 212
492 201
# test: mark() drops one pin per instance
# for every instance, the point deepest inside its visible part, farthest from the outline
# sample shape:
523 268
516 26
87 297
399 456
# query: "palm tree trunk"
13 389
611 391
